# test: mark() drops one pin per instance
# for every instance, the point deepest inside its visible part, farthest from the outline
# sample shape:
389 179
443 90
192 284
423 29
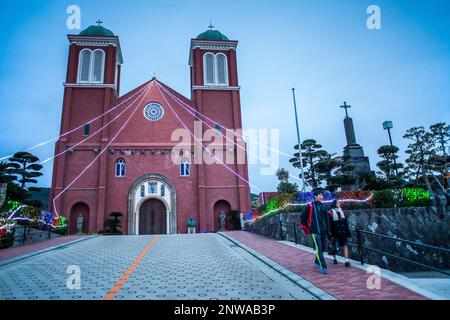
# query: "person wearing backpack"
339 231
315 220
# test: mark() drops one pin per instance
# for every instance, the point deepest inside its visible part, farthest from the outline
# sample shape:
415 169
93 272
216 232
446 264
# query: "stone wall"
423 225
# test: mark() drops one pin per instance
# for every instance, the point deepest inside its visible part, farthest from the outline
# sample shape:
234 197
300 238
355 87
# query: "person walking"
339 231
315 220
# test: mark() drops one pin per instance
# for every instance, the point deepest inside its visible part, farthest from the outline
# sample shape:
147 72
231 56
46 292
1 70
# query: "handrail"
361 247
26 234
403 240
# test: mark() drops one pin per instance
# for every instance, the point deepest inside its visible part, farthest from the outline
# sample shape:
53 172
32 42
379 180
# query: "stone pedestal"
191 230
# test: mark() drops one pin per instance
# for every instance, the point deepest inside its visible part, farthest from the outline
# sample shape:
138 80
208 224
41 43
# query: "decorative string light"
219 132
90 136
101 152
77 128
201 144
216 123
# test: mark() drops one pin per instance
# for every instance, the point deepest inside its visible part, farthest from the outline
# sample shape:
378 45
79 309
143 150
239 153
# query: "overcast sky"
322 48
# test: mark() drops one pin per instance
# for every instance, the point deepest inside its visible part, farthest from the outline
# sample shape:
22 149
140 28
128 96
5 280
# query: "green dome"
97 31
212 35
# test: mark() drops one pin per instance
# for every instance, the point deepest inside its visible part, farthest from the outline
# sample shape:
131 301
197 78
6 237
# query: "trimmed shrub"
384 199
413 197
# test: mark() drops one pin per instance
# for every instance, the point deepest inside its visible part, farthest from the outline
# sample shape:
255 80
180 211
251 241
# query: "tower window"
209 68
163 190
86 130
142 191
221 69
185 168
91 66
215 69
120 168
97 71
85 65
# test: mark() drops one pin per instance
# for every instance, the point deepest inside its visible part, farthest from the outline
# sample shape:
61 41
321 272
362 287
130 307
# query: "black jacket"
339 228
320 223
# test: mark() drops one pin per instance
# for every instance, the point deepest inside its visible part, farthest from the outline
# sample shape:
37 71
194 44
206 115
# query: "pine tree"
312 153
285 186
389 168
420 151
441 160
25 166
6 176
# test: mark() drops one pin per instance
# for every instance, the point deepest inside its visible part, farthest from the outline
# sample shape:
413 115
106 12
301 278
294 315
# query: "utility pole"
299 142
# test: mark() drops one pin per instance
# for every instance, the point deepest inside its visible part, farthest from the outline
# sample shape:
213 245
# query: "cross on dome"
210 25
99 22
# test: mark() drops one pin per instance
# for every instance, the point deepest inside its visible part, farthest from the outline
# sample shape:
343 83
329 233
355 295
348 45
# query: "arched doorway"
219 207
157 187
79 218
152 217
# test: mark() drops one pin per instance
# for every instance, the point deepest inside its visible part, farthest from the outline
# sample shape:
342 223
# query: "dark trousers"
320 246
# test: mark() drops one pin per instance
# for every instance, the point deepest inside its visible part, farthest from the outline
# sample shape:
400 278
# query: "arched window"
86 130
208 65
185 168
91 66
221 61
152 187
85 66
120 168
98 65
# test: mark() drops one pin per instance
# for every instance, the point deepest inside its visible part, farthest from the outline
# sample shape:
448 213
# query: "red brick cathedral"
120 148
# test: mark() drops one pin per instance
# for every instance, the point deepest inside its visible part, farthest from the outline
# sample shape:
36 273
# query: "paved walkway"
178 267
13 252
341 282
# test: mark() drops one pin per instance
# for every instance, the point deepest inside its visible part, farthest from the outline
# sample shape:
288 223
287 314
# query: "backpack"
307 228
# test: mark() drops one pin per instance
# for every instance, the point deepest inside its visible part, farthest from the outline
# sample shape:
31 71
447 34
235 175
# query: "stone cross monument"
353 152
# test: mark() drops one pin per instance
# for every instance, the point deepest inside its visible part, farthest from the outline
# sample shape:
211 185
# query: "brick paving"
176 267
341 282
13 252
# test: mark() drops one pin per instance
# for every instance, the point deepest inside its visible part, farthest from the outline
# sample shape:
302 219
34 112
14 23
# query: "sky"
322 48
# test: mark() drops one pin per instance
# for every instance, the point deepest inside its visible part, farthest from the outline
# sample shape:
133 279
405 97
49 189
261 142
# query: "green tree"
420 150
6 176
389 168
284 185
334 171
26 166
440 133
312 153
368 180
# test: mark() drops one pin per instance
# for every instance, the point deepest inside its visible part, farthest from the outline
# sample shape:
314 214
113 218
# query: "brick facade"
145 145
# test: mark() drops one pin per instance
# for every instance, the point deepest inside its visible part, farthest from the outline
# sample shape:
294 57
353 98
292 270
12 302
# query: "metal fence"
357 241
31 233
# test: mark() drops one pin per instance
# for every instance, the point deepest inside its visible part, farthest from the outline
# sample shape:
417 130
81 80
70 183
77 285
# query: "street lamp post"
387 125
299 141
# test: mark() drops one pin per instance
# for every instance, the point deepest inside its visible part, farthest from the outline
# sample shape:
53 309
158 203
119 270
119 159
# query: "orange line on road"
114 290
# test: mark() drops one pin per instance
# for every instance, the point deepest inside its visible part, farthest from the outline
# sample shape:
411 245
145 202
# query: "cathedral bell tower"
92 86
215 91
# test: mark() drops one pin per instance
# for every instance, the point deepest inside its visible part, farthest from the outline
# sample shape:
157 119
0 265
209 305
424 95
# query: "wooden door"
152 217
